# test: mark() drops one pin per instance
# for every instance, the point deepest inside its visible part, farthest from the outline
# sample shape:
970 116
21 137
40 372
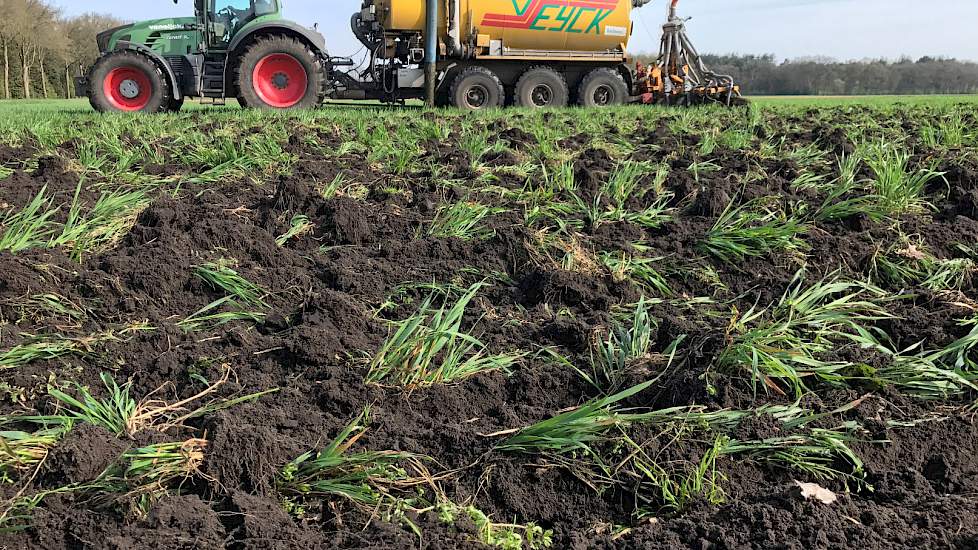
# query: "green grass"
219 313
870 100
122 414
506 536
430 347
220 276
646 272
54 346
28 228
21 452
462 220
300 225
752 231
787 345
362 477
109 220
575 431
113 413
899 187
137 479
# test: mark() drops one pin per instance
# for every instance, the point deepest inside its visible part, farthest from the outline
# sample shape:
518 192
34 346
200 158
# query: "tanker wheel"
128 82
602 88
542 87
279 73
477 89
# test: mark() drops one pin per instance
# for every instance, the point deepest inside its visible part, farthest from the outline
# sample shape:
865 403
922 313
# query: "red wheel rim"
280 80
128 88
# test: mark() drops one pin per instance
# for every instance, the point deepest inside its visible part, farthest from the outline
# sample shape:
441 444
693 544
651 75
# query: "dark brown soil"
325 287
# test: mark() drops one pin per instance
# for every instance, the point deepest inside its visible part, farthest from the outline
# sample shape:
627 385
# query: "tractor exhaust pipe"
672 10
431 52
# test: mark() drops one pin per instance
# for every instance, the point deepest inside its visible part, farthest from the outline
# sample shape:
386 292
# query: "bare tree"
32 23
6 36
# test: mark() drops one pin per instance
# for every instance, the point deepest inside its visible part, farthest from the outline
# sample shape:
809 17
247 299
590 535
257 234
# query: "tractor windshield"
234 14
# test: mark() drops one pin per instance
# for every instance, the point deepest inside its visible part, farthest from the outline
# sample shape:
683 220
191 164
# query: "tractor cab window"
230 15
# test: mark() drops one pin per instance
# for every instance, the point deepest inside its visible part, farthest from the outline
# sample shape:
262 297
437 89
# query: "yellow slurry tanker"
534 53
479 54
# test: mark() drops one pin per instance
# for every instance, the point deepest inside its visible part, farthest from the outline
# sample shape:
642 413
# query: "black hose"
356 23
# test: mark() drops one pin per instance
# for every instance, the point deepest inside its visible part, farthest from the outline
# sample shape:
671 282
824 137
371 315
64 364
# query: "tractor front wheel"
280 73
129 82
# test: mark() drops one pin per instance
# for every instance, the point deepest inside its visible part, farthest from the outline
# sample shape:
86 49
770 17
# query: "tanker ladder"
679 76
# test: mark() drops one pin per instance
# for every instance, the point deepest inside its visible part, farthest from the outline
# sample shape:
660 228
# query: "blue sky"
844 29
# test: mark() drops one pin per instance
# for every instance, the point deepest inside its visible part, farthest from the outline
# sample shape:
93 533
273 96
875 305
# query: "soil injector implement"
680 77
470 54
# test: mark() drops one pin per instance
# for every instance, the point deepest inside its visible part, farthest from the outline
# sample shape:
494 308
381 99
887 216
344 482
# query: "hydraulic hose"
356 23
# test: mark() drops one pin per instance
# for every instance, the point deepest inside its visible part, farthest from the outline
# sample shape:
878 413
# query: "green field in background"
81 105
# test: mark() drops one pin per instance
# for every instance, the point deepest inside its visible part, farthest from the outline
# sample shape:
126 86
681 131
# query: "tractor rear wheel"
128 81
477 89
602 88
542 87
280 73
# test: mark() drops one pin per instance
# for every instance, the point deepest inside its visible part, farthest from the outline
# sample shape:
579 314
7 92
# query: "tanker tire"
476 89
602 88
442 98
159 97
541 87
315 76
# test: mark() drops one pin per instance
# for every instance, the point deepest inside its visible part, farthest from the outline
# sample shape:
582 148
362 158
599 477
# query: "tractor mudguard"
315 39
167 70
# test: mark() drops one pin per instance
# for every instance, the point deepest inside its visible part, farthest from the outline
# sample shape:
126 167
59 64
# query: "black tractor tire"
175 105
541 87
602 88
152 91
286 47
477 89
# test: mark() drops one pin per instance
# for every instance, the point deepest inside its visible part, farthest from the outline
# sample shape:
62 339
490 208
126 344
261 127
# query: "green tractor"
240 49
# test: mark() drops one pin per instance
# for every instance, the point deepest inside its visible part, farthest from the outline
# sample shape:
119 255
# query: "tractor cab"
224 19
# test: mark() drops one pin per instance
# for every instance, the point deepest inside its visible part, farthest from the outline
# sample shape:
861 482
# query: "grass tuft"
220 276
430 348
300 225
744 232
362 477
28 228
900 189
462 220
786 344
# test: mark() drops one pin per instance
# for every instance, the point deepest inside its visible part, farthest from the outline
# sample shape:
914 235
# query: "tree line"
764 75
41 49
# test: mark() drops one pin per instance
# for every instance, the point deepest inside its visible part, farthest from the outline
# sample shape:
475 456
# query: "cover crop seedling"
430 348
362 477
